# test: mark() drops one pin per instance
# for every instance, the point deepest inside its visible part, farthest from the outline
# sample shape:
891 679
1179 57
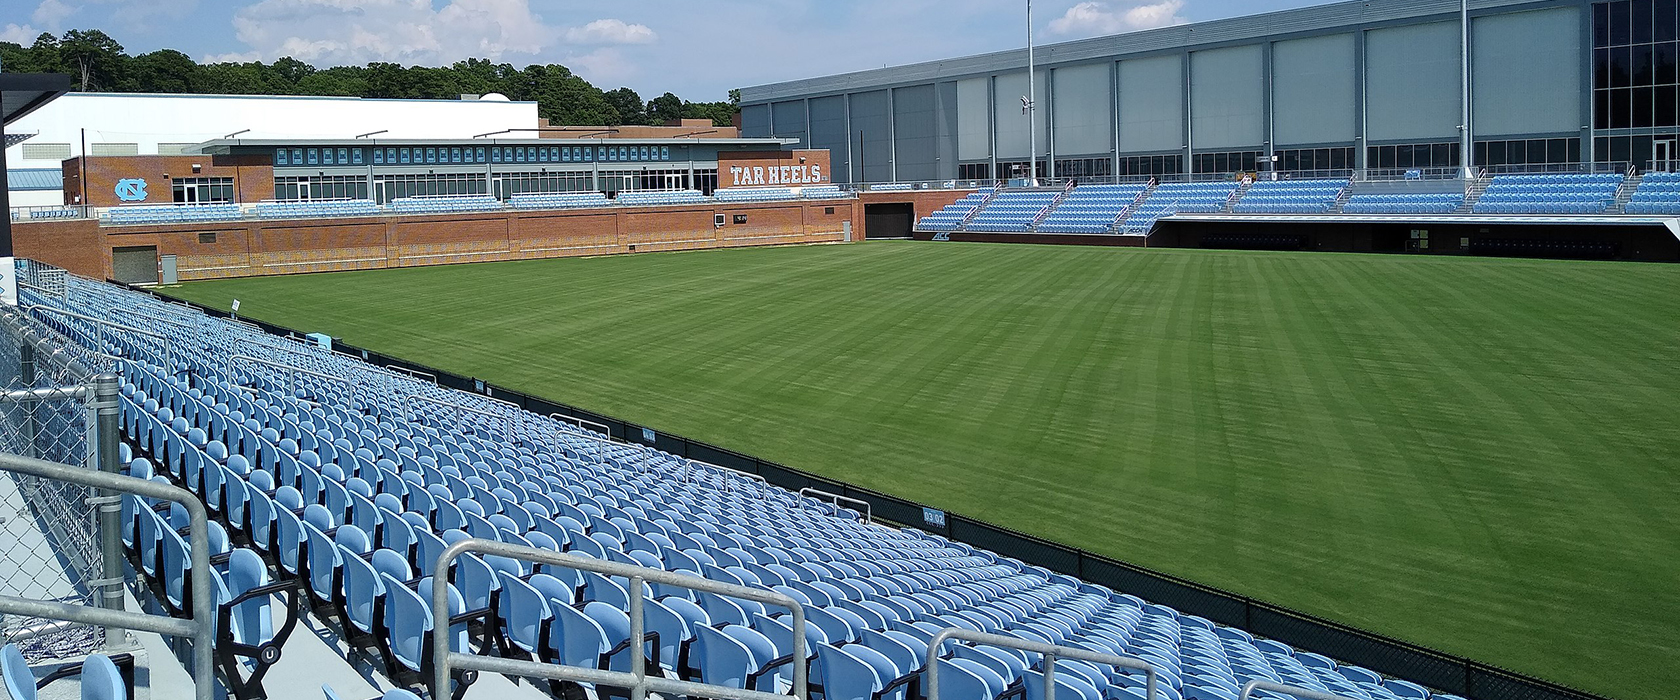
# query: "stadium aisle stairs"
1473 194
282 455
1624 194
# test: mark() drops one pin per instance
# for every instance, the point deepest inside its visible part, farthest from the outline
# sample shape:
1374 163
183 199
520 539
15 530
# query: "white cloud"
611 31
604 66
408 31
23 35
1099 17
50 14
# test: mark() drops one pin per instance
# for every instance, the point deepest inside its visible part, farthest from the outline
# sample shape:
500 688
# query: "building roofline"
215 146
1244 29
313 98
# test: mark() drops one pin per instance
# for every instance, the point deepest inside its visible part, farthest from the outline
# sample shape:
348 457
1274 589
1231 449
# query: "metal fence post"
26 379
108 413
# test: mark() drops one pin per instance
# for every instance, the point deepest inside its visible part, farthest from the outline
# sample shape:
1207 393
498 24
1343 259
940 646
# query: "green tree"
165 71
629 106
340 81
664 109
94 60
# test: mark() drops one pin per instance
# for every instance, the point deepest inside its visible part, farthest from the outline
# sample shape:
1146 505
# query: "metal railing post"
201 628
108 414
26 378
1296 691
444 661
1049 651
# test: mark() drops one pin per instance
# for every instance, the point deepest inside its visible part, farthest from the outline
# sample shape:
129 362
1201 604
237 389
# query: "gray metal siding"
873 145
1314 94
1527 72
916 128
788 121
828 130
1013 136
1151 104
974 120
1227 98
946 119
755 121
1323 18
1412 83
1082 113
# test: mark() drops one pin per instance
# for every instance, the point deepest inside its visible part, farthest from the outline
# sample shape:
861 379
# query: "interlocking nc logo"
131 190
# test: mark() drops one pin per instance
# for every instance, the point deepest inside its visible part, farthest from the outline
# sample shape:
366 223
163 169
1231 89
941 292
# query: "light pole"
1467 148
1030 105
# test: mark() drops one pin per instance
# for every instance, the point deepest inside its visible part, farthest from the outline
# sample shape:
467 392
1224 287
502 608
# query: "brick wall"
253 177
250 248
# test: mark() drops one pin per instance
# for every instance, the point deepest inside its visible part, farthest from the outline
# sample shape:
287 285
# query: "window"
431 156
1150 165
355 156
1084 167
554 154
207 238
314 157
1636 64
519 154
282 157
1419 155
391 156
566 154
326 156
623 153
378 156
974 171
664 152
481 155
201 190
46 151
297 156
740 218
1227 162
717 220
405 157
454 155
343 156
828 210
318 187
114 149
1302 159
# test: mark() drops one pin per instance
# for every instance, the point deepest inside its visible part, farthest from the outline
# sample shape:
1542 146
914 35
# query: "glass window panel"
1642 107
1601 25
1641 65
1664 24
282 157
343 156
664 152
1620 149
1640 20
1665 107
1601 109
378 156
1665 58
355 156
1574 151
1620 33
1621 67
1438 155
454 155
297 156
1601 68
314 157
1536 151
1620 116
1557 151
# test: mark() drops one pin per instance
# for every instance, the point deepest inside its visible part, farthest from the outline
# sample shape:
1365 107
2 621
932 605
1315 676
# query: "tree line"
97 63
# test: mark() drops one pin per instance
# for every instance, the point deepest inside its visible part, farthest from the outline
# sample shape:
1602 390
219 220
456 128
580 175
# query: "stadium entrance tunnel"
1641 242
889 219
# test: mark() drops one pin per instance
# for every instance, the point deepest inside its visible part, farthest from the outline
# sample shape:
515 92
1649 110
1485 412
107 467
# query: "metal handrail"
200 628
1049 651
582 423
637 680
868 516
293 368
408 408
101 322
1296 691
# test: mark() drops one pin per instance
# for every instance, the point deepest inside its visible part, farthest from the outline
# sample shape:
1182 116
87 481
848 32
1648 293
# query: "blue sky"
698 49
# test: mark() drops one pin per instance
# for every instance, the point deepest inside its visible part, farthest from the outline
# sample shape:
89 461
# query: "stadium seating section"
37 214
824 192
1290 197
344 482
172 214
661 198
1012 211
1658 193
1549 194
445 205
951 217
1173 197
1090 209
1424 203
756 194
317 209
559 200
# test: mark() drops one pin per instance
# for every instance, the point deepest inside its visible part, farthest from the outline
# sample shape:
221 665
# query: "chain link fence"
49 529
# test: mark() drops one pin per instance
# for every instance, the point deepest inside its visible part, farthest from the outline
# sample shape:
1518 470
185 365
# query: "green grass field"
1482 456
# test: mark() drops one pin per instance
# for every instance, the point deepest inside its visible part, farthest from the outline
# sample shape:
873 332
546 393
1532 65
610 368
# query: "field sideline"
1477 455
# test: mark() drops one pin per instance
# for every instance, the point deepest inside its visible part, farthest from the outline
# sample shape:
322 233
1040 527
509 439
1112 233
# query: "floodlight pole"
1466 155
1032 104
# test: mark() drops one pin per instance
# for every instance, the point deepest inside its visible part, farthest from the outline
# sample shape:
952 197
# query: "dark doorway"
135 265
893 220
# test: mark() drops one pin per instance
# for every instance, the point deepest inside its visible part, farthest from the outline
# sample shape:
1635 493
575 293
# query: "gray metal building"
1353 85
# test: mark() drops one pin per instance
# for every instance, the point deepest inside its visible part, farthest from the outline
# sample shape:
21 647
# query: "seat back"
19 680
101 681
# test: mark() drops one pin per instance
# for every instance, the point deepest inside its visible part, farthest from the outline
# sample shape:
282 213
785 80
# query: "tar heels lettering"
777 175
131 190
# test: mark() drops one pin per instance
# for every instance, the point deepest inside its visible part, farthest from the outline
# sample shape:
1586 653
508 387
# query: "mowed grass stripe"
1477 455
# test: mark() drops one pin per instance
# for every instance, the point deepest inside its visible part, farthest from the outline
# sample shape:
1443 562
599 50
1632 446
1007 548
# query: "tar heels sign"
131 190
